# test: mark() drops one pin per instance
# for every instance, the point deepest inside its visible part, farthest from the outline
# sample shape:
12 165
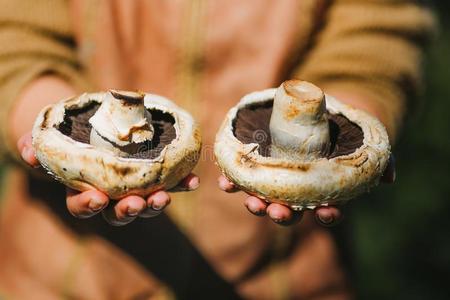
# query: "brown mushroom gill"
251 125
76 125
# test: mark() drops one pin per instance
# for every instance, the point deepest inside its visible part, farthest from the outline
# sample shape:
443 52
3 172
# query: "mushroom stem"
298 125
121 120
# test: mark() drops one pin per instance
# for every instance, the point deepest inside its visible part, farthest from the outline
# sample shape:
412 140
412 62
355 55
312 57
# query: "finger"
124 211
189 183
256 205
29 156
85 204
156 203
226 185
328 216
282 214
24 145
389 174
24 140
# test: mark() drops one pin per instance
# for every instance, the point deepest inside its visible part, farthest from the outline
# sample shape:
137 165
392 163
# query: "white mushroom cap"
308 179
82 166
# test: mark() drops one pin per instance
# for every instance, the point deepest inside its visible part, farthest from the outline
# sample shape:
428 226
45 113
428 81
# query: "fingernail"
132 211
255 210
156 206
159 201
277 219
328 219
96 204
194 183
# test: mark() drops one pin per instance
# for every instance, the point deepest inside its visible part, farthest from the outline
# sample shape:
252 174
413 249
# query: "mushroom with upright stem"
299 147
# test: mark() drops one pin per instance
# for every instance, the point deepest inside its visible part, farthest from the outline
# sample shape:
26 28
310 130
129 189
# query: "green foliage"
401 232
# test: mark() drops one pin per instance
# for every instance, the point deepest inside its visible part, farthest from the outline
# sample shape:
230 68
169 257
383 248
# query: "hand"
283 215
89 203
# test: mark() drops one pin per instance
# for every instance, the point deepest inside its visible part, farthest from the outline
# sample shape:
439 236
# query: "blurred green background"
400 234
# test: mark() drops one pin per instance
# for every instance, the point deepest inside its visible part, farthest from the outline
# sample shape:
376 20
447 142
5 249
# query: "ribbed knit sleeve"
36 39
371 48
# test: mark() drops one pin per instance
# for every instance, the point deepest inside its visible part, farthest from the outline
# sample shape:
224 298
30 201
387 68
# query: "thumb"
25 147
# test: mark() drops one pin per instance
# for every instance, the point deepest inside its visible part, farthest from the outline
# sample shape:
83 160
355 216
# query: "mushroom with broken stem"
316 151
120 143
121 123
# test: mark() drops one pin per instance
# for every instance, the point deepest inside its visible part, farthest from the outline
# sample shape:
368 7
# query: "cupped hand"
116 212
283 215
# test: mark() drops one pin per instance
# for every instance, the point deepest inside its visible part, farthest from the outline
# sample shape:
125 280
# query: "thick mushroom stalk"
122 122
298 126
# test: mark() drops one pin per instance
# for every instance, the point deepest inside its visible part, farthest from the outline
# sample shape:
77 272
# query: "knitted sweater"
205 55
372 48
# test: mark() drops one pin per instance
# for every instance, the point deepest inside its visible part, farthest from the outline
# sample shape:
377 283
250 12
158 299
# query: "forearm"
37 94
374 108
368 54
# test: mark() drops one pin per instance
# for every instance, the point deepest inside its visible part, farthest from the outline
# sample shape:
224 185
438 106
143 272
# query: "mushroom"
300 147
121 143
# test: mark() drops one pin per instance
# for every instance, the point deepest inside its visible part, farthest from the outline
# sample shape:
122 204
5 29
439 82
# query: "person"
204 55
